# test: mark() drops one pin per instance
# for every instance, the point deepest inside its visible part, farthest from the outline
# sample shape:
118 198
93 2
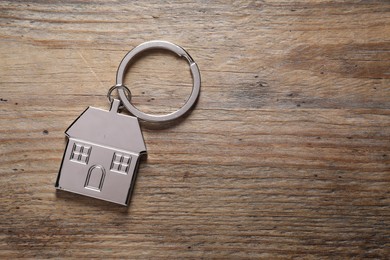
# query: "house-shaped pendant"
102 155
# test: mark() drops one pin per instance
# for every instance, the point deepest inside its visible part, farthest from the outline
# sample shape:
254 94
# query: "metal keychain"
104 148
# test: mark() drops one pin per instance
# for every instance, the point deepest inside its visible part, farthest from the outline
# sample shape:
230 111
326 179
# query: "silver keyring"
166 46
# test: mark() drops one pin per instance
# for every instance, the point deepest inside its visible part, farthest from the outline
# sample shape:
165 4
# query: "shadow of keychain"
104 148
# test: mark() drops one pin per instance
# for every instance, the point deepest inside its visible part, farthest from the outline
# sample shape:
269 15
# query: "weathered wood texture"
285 155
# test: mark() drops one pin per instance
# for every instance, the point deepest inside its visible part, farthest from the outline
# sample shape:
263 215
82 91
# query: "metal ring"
166 46
118 87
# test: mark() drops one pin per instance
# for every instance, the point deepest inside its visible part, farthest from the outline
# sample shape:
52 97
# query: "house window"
120 163
80 153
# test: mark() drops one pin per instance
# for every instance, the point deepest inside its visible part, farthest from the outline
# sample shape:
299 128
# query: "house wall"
82 162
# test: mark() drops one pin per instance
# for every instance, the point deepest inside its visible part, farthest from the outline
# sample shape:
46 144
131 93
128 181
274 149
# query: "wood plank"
286 154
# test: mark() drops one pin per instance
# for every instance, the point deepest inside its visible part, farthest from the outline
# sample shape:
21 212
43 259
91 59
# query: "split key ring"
158 45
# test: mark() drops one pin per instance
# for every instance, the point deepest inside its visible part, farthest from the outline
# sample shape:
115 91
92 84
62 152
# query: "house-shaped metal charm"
102 155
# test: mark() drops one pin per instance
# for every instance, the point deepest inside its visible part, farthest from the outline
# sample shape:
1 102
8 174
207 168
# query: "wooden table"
286 154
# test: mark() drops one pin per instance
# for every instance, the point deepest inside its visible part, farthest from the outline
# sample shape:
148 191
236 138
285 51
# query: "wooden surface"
285 155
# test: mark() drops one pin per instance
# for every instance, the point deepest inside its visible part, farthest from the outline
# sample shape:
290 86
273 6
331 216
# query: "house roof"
108 128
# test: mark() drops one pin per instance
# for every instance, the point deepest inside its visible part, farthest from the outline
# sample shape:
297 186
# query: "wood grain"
286 154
